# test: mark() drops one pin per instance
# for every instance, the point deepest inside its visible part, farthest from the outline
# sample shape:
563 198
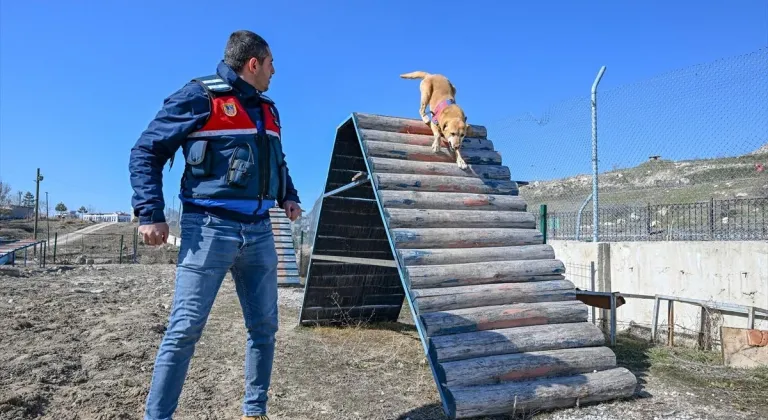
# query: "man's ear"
253 64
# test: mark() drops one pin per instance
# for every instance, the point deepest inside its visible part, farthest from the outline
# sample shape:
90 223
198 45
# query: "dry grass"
698 372
24 229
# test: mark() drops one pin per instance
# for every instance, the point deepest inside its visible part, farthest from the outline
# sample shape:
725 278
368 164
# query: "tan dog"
448 119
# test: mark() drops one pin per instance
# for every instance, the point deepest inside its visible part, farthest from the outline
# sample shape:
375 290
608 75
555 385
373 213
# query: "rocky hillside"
659 182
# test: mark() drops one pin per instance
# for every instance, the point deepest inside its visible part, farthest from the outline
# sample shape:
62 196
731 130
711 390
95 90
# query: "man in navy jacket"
235 171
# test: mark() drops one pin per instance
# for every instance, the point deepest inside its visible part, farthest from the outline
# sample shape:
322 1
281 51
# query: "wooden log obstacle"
287 267
501 327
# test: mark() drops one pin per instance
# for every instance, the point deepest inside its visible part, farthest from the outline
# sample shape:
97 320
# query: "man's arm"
183 111
290 191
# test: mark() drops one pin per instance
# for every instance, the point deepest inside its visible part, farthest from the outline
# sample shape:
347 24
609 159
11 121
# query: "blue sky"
79 81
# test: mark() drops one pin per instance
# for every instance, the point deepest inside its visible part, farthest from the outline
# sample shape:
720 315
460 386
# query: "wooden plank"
542 394
428 218
421 139
464 237
425 153
450 201
385 165
354 260
450 184
448 298
526 366
503 316
449 275
470 255
515 340
407 125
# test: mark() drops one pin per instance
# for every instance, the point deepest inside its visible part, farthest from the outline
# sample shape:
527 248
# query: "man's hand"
292 210
154 234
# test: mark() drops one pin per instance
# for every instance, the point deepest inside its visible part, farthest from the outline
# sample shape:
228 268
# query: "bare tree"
5 194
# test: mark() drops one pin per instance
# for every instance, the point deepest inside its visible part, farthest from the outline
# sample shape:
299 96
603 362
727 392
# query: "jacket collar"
231 77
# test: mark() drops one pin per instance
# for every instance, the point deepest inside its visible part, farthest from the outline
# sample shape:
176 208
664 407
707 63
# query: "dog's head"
454 130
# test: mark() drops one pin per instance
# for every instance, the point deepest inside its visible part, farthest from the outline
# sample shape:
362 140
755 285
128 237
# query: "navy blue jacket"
184 111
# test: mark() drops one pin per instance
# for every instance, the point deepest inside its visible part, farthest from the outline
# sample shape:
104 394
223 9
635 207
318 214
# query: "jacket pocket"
197 158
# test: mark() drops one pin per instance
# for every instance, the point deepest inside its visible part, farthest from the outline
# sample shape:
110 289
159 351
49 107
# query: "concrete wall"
733 272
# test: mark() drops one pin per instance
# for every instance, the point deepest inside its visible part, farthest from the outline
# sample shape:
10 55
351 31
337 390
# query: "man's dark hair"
241 46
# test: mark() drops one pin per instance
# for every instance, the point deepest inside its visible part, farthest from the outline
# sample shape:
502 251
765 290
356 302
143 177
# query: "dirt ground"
79 343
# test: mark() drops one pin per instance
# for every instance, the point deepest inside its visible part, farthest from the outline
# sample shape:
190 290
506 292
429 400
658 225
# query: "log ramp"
287 269
501 326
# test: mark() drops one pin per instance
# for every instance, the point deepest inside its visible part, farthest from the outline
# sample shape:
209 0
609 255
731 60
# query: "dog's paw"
425 118
435 147
461 163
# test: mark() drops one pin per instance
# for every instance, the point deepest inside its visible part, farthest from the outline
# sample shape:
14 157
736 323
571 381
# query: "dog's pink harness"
439 108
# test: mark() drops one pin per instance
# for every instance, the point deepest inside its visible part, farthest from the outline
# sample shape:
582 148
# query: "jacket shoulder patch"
214 83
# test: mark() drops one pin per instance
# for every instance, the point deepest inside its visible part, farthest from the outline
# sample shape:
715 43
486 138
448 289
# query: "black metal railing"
740 219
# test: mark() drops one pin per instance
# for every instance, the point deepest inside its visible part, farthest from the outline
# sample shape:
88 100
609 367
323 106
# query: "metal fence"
713 220
616 156
97 248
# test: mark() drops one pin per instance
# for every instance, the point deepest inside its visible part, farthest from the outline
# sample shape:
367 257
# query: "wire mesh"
681 156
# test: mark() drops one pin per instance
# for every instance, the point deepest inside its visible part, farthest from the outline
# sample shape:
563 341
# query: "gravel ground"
79 343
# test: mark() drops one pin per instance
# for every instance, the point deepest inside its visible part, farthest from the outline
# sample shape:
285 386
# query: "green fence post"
135 244
120 261
543 221
55 239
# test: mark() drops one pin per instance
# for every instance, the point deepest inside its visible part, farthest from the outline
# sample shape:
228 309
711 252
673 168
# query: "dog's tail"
415 75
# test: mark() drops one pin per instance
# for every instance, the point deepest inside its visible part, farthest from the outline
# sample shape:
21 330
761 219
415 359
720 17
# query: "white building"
107 217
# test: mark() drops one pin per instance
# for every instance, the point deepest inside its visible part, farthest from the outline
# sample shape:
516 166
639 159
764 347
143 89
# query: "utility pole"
37 199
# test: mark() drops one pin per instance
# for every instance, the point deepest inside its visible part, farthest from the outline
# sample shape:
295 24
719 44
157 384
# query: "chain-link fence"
681 156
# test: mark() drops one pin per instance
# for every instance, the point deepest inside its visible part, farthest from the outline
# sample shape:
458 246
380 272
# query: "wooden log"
287 265
526 366
448 298
385 165
450 275
450 201
407 125
438 183
503 316
429 218
542 394
409 238
412 257
462 346
425 154
422 139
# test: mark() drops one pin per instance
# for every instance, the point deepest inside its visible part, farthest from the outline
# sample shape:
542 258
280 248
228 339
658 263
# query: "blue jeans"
210 247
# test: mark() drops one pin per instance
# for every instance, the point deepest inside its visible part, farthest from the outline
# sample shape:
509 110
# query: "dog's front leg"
437 135
460 161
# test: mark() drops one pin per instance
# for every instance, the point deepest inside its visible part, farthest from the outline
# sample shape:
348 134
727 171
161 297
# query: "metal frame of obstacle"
547 357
